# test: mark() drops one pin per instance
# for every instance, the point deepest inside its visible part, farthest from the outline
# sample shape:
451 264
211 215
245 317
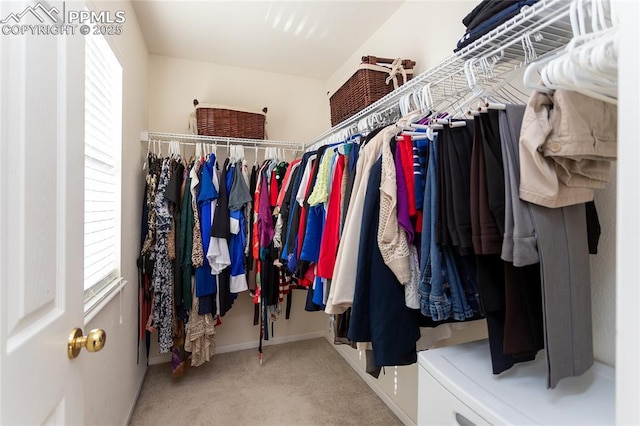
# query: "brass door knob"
93 342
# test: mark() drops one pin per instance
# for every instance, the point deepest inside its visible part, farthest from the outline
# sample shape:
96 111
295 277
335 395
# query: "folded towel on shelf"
485 10
492 22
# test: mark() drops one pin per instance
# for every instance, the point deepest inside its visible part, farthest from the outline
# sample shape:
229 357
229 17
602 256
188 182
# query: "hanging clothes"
205 282
331 234
238 196
576 136
379 314
194 239
185 242
342 288
221 229
161 282
200 338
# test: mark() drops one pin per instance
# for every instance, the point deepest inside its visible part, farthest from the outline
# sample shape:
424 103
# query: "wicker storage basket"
216 120
370 83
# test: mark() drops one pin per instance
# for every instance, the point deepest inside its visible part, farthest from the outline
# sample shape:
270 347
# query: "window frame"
105 289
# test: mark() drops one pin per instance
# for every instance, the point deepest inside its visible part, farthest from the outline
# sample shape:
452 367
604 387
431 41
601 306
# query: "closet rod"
186 139
550 17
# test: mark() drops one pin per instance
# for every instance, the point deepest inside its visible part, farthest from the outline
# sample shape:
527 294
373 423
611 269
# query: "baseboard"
135 400
373 384
159 359
164 358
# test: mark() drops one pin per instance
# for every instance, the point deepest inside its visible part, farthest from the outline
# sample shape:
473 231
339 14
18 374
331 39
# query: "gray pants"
566 290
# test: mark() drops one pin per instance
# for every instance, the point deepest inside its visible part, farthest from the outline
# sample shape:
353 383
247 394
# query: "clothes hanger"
405 104
146 159
575 69
175 150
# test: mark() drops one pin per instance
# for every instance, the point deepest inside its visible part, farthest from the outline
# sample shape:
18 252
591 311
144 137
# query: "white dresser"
456 387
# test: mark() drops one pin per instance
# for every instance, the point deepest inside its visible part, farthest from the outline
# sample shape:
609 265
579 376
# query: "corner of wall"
118 367
426 40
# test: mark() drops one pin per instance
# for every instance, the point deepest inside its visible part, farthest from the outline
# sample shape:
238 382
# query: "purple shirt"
265 220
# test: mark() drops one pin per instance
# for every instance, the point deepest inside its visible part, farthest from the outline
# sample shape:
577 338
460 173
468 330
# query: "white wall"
297 109
425 31
628 212
112 377
603 276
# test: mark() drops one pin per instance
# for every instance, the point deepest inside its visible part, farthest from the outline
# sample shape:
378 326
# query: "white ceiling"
304 38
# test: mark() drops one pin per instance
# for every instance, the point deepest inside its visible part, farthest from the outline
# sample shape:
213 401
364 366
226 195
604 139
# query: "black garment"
221 226
281 170
173 195
292 232
447 150
269 277
494 169
443 194
491 281
309 306
186 247
593 227
460 143
303 265
351 172
224 291
371 367
379 314
466 267
372 134
350 176
285 209
486 182
341 328
251 262
485 10
524 329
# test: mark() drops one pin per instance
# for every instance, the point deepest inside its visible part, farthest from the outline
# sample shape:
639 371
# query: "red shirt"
331 234
406 157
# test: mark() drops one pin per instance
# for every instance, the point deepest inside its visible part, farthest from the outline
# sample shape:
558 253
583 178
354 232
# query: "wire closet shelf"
222 141
480 67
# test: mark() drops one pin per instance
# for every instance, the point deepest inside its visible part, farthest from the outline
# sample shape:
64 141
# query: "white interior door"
41 216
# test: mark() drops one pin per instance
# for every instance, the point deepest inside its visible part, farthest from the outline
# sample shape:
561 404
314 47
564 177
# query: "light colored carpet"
300 383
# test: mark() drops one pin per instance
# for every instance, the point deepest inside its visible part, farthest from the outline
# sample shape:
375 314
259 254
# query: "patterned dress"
162 273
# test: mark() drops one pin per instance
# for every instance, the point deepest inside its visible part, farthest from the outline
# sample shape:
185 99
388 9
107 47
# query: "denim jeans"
428 207
440 290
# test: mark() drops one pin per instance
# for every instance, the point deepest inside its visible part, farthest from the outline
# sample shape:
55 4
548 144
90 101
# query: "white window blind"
103 145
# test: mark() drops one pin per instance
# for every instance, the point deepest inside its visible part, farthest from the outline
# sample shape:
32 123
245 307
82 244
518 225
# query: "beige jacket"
567 143
392 239
344 273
